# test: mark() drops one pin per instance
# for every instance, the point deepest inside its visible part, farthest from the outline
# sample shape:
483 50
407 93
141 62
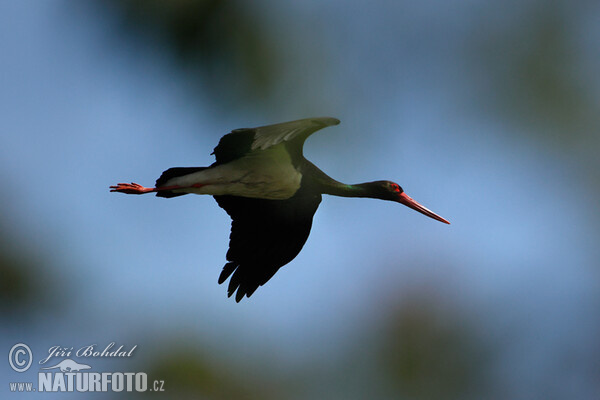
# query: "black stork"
271 192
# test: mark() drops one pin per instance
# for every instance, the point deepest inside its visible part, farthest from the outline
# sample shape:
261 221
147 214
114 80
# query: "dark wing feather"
240 142
234 145
265 235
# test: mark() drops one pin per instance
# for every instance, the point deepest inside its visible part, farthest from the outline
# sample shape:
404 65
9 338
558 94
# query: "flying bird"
271 192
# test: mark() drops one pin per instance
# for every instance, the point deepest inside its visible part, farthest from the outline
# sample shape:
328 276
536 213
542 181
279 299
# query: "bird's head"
387 190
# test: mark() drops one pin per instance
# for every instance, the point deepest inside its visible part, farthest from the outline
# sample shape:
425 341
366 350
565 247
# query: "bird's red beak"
407 201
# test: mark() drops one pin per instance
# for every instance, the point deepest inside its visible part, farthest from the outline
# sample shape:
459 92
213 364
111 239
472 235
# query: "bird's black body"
265 235
266 232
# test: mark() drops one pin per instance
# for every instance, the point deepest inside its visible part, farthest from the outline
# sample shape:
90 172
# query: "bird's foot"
131 188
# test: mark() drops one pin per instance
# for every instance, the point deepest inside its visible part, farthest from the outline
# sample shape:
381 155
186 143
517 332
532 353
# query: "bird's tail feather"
174 173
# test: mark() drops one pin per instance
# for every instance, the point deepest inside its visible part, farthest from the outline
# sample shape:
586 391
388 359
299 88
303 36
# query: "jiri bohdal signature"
91 350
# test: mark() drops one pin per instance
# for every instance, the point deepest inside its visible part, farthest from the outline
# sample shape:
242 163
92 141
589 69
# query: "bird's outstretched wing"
242 141
265 235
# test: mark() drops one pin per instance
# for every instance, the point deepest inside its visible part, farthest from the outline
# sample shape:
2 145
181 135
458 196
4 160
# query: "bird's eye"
395 187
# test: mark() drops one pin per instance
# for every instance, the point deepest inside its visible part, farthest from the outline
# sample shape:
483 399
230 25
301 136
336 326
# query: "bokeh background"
486 112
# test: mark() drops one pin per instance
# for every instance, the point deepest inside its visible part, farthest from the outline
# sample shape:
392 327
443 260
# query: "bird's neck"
327 185
336 188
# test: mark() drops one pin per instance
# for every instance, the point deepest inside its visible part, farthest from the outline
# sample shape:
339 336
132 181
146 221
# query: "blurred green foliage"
433 353
189 374
16 283
536 69
26 288
221 45
425 351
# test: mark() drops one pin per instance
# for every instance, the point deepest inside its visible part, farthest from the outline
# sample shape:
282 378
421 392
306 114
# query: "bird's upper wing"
265 235
242 141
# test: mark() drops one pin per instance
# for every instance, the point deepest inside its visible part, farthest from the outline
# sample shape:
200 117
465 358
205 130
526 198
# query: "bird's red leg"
134 188
131 188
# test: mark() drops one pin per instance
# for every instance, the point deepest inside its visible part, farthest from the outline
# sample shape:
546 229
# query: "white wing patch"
271 135
264 174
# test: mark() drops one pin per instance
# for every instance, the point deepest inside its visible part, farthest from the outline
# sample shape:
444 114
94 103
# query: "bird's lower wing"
265 235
